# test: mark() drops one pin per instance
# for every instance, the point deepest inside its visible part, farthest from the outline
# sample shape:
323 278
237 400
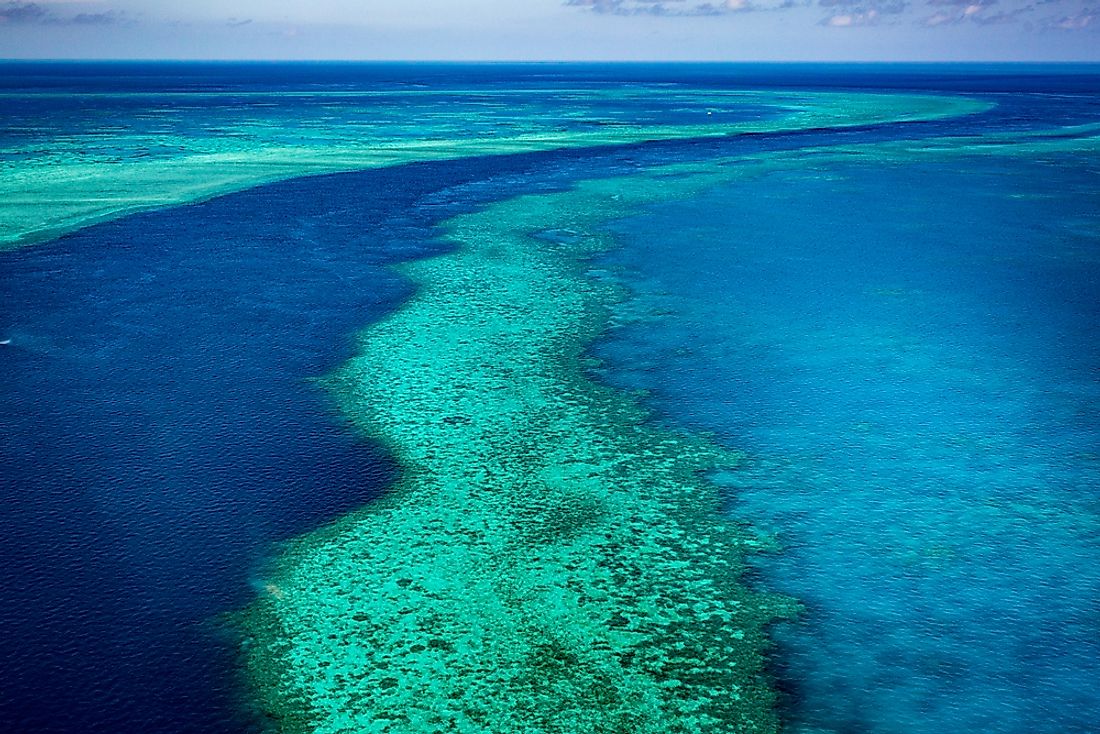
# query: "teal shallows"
548 562
151 153
908 357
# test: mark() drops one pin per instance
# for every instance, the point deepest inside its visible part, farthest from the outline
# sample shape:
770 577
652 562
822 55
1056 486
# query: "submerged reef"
548 562
154 154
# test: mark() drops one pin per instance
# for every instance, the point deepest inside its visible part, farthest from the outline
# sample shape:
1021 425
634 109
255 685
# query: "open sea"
902 342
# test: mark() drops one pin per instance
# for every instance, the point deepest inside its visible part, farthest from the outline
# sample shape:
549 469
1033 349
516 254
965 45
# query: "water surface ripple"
161 427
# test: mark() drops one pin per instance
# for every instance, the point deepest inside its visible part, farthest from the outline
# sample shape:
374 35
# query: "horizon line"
535 62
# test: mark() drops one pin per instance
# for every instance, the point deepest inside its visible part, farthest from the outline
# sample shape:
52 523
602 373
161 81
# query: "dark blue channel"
162 427
160 423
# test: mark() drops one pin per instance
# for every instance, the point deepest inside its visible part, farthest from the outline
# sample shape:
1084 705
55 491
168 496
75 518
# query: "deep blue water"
159 432
162 428
918 397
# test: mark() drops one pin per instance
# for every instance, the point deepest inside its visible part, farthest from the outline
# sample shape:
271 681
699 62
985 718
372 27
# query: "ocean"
422 397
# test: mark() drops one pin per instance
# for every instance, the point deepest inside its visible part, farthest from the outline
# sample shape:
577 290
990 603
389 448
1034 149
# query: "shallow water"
165 427
917 399
82 143
907 353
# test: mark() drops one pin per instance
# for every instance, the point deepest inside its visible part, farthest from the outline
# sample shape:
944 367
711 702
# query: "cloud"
881 7
44 14
1076 14
23 13
850 20
980 12
105 18
1083 19
952 12
678 8
856 13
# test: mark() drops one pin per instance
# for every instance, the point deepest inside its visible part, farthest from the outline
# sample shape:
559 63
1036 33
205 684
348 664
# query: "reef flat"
548 562
167 149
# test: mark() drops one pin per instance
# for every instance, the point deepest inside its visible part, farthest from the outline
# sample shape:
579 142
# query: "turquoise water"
903 345
908 355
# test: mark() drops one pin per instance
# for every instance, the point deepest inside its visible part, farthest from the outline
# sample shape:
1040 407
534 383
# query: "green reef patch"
549 561
155 155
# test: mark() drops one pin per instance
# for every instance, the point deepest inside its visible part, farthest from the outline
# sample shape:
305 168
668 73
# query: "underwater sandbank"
549 560
64 182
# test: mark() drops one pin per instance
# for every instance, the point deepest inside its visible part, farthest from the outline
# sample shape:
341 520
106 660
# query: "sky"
704 30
